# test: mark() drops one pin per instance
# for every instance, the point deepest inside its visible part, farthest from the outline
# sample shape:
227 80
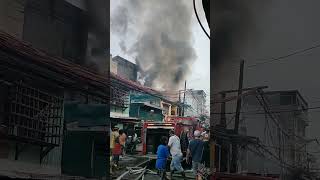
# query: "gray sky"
200 76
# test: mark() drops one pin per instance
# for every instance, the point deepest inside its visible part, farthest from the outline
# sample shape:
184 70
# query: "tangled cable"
135 171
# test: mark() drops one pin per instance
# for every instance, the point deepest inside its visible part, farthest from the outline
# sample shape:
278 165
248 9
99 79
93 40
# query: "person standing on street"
206 151
116 152
162 156
114 135
184 141
122 140
195 150
175 151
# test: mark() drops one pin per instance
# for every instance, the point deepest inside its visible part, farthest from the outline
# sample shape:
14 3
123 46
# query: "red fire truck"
151 131
191 123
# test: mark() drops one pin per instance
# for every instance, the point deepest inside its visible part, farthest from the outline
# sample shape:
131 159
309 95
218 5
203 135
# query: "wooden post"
212 155
236 124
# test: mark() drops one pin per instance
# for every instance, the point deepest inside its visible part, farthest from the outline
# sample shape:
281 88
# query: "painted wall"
144 112
138 97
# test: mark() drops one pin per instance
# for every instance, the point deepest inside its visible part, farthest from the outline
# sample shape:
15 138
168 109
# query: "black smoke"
98 35
232 23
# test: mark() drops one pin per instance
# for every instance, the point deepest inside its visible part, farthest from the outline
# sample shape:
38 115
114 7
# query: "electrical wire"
285 56
195 10
265 106
262 112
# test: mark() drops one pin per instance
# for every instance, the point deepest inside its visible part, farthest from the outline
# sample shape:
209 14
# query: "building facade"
113 65
195 101
125 68
282 132
67 25
146 107
45 34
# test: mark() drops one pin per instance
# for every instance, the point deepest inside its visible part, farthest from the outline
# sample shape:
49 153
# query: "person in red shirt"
122 140
118 147
116 152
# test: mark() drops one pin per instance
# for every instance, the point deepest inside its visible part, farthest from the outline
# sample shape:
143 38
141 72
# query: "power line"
285 56
195 10
262 112
266 109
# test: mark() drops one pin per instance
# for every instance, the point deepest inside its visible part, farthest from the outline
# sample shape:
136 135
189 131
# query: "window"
34 115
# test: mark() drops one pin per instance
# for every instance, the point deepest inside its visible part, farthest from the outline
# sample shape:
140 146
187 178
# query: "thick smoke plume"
98 35
163 46
233 27
232 24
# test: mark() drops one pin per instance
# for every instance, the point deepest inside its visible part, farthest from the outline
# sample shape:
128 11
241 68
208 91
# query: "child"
162 156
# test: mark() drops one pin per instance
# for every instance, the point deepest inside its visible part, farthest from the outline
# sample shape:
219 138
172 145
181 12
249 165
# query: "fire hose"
135 171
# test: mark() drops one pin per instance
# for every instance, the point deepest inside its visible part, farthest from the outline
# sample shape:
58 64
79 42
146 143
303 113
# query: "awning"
148 105
124 119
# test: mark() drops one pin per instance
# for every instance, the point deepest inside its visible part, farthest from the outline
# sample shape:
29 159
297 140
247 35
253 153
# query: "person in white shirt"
175 151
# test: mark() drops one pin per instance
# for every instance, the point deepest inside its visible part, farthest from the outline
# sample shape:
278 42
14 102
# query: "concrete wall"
113 66
56 27
12 17
126 69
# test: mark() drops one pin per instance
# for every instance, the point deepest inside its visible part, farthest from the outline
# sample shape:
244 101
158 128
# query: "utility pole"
184 96
179 102
223 119
237 117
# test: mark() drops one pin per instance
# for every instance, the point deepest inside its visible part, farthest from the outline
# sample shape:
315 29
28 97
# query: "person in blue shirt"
162 156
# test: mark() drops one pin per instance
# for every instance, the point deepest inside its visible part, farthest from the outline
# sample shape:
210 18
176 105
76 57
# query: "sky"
199 78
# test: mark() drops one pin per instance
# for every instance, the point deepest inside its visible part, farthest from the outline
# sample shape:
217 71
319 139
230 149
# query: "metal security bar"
119 97
34 115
